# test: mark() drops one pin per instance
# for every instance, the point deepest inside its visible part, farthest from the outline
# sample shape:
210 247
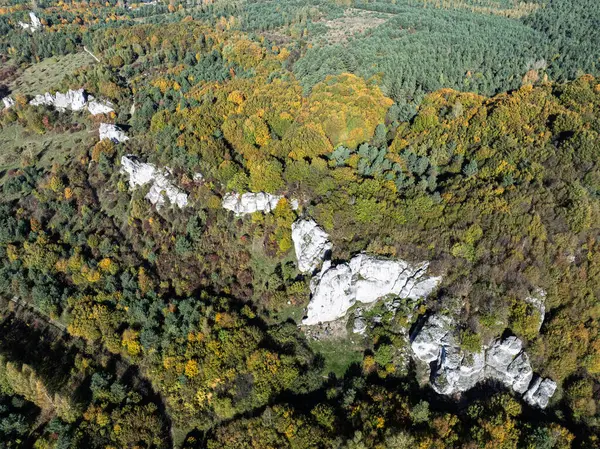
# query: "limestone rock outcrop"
456 370
8 102
112 132
540 392
73 100
248 203
96 107
35 24
141 173
364 279
311 244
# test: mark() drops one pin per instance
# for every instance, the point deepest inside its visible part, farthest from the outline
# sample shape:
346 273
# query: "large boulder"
112 132
311 244
538 301
435 335
74 100
364 279
161 186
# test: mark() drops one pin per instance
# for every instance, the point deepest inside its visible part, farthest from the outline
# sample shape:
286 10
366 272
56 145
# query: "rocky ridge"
73 100
455 370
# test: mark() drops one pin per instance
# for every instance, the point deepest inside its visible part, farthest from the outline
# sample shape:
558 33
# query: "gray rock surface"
540 392
456 370
141 173
112 132
364 279
359 326
311 243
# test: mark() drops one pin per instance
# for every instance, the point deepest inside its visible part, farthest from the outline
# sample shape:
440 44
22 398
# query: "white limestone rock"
359 326
141 173
249 203
35 24
96 107
311 243
364 279
540 392
333 294
8 102
73 100
435 334
112 132
507 363
457 371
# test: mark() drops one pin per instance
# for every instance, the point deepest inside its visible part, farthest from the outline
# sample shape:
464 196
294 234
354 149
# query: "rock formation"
141 174
249 203
96 107
73 100
35 24
8 102
112 132
364 279
311 243
540 392
455 370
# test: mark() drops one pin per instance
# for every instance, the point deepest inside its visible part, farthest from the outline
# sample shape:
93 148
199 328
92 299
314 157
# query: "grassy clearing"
19 146
46 76
338 354
352 23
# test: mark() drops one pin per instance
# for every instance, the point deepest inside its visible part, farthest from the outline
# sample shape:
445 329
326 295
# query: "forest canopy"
461 133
